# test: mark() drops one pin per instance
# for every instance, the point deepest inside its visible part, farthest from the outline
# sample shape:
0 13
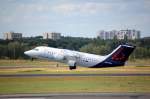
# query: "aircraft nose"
26 52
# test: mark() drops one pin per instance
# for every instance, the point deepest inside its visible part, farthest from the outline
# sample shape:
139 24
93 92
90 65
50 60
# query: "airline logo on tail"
122 53
119 56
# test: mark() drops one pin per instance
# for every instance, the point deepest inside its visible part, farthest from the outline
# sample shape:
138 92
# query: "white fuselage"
66 56
117 57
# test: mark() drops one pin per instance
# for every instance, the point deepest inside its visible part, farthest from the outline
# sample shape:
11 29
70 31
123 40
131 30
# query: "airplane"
117 57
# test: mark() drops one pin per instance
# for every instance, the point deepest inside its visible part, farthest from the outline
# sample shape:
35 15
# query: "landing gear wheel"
72 67
72 64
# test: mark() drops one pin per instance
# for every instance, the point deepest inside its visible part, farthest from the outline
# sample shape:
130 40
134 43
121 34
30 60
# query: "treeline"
103 47
14 49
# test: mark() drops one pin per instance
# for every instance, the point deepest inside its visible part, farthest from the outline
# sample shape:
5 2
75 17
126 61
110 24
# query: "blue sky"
73 17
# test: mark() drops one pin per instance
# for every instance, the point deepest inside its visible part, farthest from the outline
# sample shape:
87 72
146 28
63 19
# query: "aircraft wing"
71 58
71 55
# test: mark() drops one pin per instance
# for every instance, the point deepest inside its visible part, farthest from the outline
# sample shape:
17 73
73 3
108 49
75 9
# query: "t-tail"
118 57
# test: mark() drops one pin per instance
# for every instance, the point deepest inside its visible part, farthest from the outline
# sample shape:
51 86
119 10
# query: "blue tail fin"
118 57
121 53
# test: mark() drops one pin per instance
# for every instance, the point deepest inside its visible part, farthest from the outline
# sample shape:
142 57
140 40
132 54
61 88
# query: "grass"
14 85
79 70
49 67
139 62
74 84
29 63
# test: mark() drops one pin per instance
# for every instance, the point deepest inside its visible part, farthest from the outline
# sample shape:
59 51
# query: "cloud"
19 12
65 8
92 14
103 8
22 7
82 8
32 8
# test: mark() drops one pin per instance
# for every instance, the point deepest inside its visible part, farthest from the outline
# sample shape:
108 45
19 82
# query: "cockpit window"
36 49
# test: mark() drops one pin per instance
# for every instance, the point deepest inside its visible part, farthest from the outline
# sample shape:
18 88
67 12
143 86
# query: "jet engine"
72 64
